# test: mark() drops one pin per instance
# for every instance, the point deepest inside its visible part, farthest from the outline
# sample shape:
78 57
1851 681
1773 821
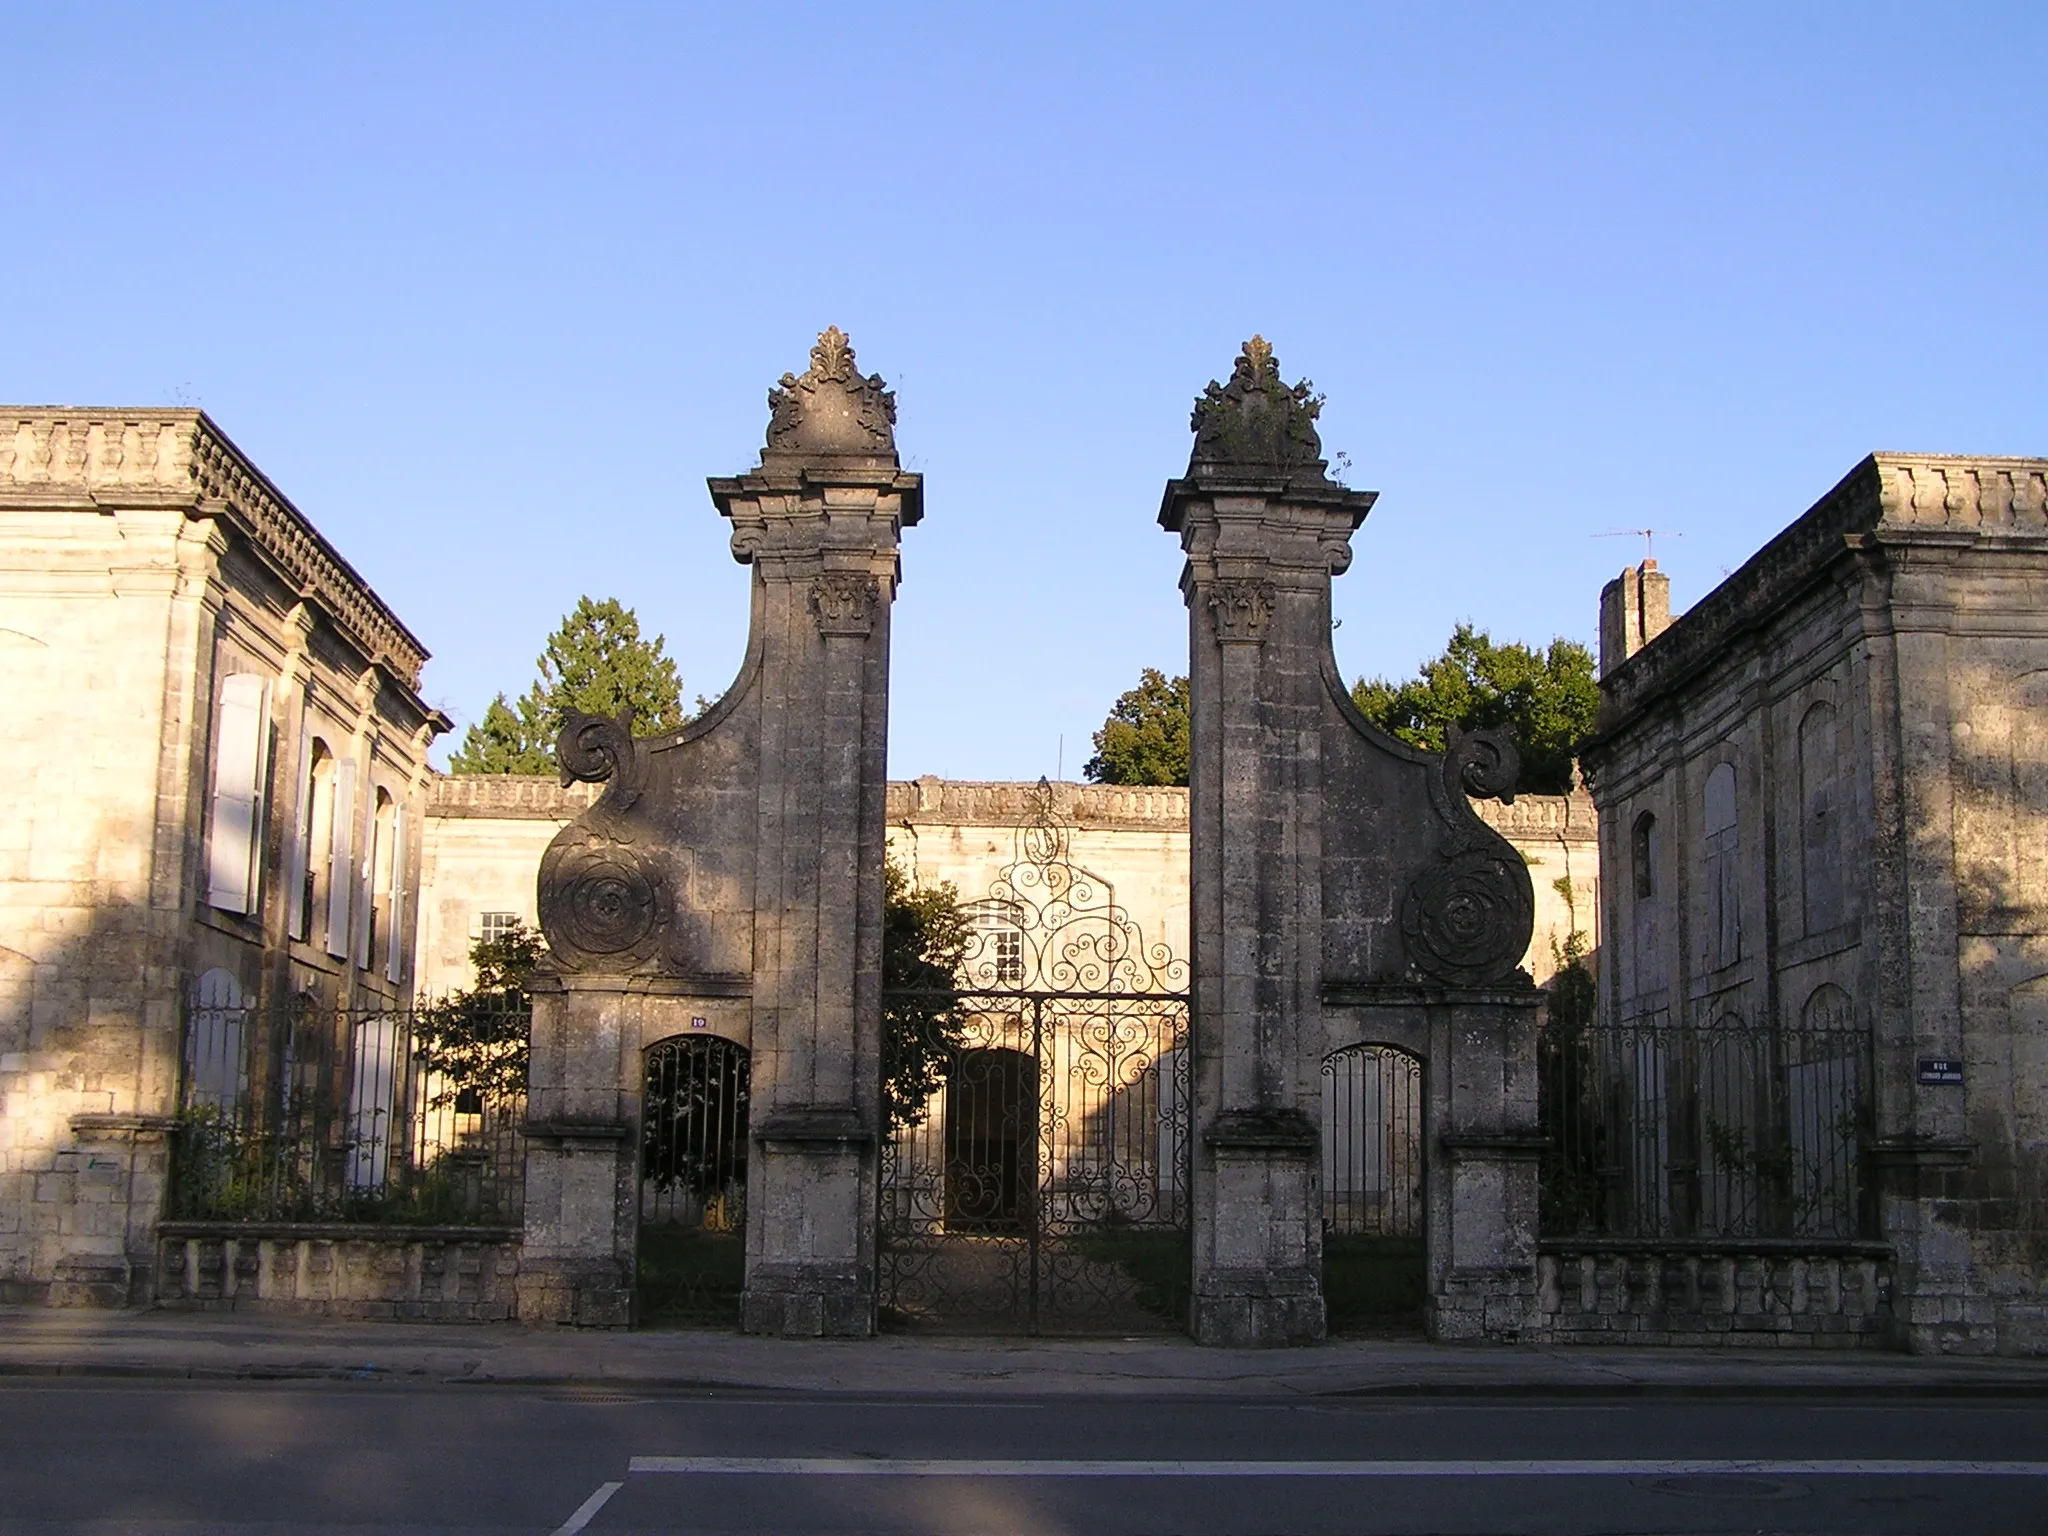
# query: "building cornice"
1888 500
104 458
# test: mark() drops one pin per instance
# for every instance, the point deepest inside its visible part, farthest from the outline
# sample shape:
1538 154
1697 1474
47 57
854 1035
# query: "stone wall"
416 1274
154 586
1823 796
485 834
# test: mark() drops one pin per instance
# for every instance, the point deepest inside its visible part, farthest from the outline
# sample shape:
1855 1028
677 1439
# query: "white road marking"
587 1510
826 1466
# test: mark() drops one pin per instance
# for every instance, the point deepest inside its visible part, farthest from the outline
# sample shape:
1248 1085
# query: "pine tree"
595 662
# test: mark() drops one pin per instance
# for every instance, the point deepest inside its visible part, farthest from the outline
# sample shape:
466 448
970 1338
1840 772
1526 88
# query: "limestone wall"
161 602
485 834
1823 799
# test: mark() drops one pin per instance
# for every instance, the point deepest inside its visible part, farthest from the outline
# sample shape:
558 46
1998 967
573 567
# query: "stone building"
218 754
1823 806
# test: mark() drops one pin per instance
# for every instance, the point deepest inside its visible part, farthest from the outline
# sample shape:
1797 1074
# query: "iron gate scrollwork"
1037 1177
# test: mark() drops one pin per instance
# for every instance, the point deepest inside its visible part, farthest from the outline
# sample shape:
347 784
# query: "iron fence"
1712 1131
309 1114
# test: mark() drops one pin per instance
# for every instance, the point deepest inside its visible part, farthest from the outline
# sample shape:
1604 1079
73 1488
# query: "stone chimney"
1635 608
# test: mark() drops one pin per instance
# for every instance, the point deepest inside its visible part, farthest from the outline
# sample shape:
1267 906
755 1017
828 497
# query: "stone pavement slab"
42 1341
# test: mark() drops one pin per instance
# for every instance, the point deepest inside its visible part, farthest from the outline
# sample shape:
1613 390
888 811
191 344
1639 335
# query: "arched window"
215 1071
316 829
377 877
1643 855
1824 1090
1820 838
1721 837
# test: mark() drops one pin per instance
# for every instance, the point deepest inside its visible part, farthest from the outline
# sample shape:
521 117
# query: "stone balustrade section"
1774 1295
420 1274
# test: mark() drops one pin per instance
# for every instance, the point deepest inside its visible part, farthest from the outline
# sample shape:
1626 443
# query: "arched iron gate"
1035 1172
1375 1207
693 1179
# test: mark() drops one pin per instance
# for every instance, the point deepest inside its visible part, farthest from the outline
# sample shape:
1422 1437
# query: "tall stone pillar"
1263 528
1344 891
730 879
819 522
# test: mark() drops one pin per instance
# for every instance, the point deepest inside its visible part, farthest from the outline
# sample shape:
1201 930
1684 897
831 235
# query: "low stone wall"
1797 1295
425 1274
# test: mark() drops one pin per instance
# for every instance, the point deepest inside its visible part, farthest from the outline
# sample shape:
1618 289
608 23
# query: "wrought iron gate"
693 1180
1035 1174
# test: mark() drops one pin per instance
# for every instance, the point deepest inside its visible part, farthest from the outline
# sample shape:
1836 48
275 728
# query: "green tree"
597 663
1546 698
1145 738
924 939
476 1039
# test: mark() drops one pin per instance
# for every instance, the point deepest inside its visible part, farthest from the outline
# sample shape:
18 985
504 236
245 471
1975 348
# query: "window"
341 856
316 830
240 756
215 1072
1643 856
1820 858
376 888
1723 928
997 958
496 925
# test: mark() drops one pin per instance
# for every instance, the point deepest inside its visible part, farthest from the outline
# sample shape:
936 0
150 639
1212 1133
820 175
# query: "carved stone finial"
1256 420
833 407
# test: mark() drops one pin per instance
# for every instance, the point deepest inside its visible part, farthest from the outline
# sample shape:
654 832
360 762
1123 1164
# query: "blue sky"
490 291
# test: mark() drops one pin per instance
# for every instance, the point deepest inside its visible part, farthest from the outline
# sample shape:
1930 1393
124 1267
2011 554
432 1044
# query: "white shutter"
302 830
237 794
341 859
366 876
394 946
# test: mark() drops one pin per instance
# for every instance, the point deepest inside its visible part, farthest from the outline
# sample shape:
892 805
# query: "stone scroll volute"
604 897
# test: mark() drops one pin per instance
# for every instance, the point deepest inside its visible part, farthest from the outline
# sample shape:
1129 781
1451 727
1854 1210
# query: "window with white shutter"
298 871
341 859
241 738
394 953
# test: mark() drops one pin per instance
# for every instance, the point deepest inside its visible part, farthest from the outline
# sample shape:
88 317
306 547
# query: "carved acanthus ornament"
844 602
832 407
1242 609
1255 420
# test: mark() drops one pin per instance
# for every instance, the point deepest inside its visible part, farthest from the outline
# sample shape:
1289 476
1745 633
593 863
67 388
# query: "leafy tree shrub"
924 940
1547 698
1145 738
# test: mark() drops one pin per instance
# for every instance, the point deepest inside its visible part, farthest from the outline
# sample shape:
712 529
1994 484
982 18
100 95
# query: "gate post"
1263 528
730 879
1342 889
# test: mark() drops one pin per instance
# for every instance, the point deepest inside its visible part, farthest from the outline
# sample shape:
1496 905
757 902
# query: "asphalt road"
118 1458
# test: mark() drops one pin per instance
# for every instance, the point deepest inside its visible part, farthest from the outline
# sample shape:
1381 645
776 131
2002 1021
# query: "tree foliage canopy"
595 662
1145 738
1546 698
476 1039
925 936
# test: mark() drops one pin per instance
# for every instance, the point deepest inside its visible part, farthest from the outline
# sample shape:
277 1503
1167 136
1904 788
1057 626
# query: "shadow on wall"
89 1040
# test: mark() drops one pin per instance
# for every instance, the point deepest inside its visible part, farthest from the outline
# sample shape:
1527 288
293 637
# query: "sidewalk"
45 1342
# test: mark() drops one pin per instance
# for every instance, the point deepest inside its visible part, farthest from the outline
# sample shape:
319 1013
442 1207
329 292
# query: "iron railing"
1710 1132
308 1114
